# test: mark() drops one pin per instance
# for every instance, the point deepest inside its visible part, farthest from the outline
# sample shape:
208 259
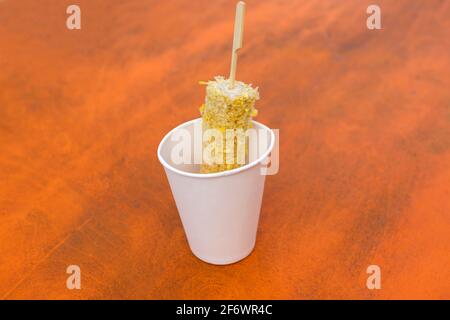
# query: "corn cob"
227 108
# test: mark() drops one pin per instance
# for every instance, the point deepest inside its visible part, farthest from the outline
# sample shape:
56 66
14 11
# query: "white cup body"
219 211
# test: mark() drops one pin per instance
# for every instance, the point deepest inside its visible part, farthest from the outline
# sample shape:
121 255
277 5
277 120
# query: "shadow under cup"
219 211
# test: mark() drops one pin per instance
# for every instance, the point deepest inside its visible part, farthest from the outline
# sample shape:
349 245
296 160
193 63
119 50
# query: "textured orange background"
364 119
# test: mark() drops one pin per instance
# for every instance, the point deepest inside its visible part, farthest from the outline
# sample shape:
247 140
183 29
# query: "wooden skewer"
237 39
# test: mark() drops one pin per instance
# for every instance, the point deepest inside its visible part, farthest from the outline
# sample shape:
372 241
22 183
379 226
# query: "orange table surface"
364 119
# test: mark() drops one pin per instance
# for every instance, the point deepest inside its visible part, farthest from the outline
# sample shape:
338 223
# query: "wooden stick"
237 39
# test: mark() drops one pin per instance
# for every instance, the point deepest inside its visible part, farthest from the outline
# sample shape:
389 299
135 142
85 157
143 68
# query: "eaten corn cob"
227 108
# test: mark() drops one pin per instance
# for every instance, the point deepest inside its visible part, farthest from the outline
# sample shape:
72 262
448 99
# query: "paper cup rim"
216 174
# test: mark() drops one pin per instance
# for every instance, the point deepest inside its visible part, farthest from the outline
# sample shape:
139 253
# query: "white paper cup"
219 211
